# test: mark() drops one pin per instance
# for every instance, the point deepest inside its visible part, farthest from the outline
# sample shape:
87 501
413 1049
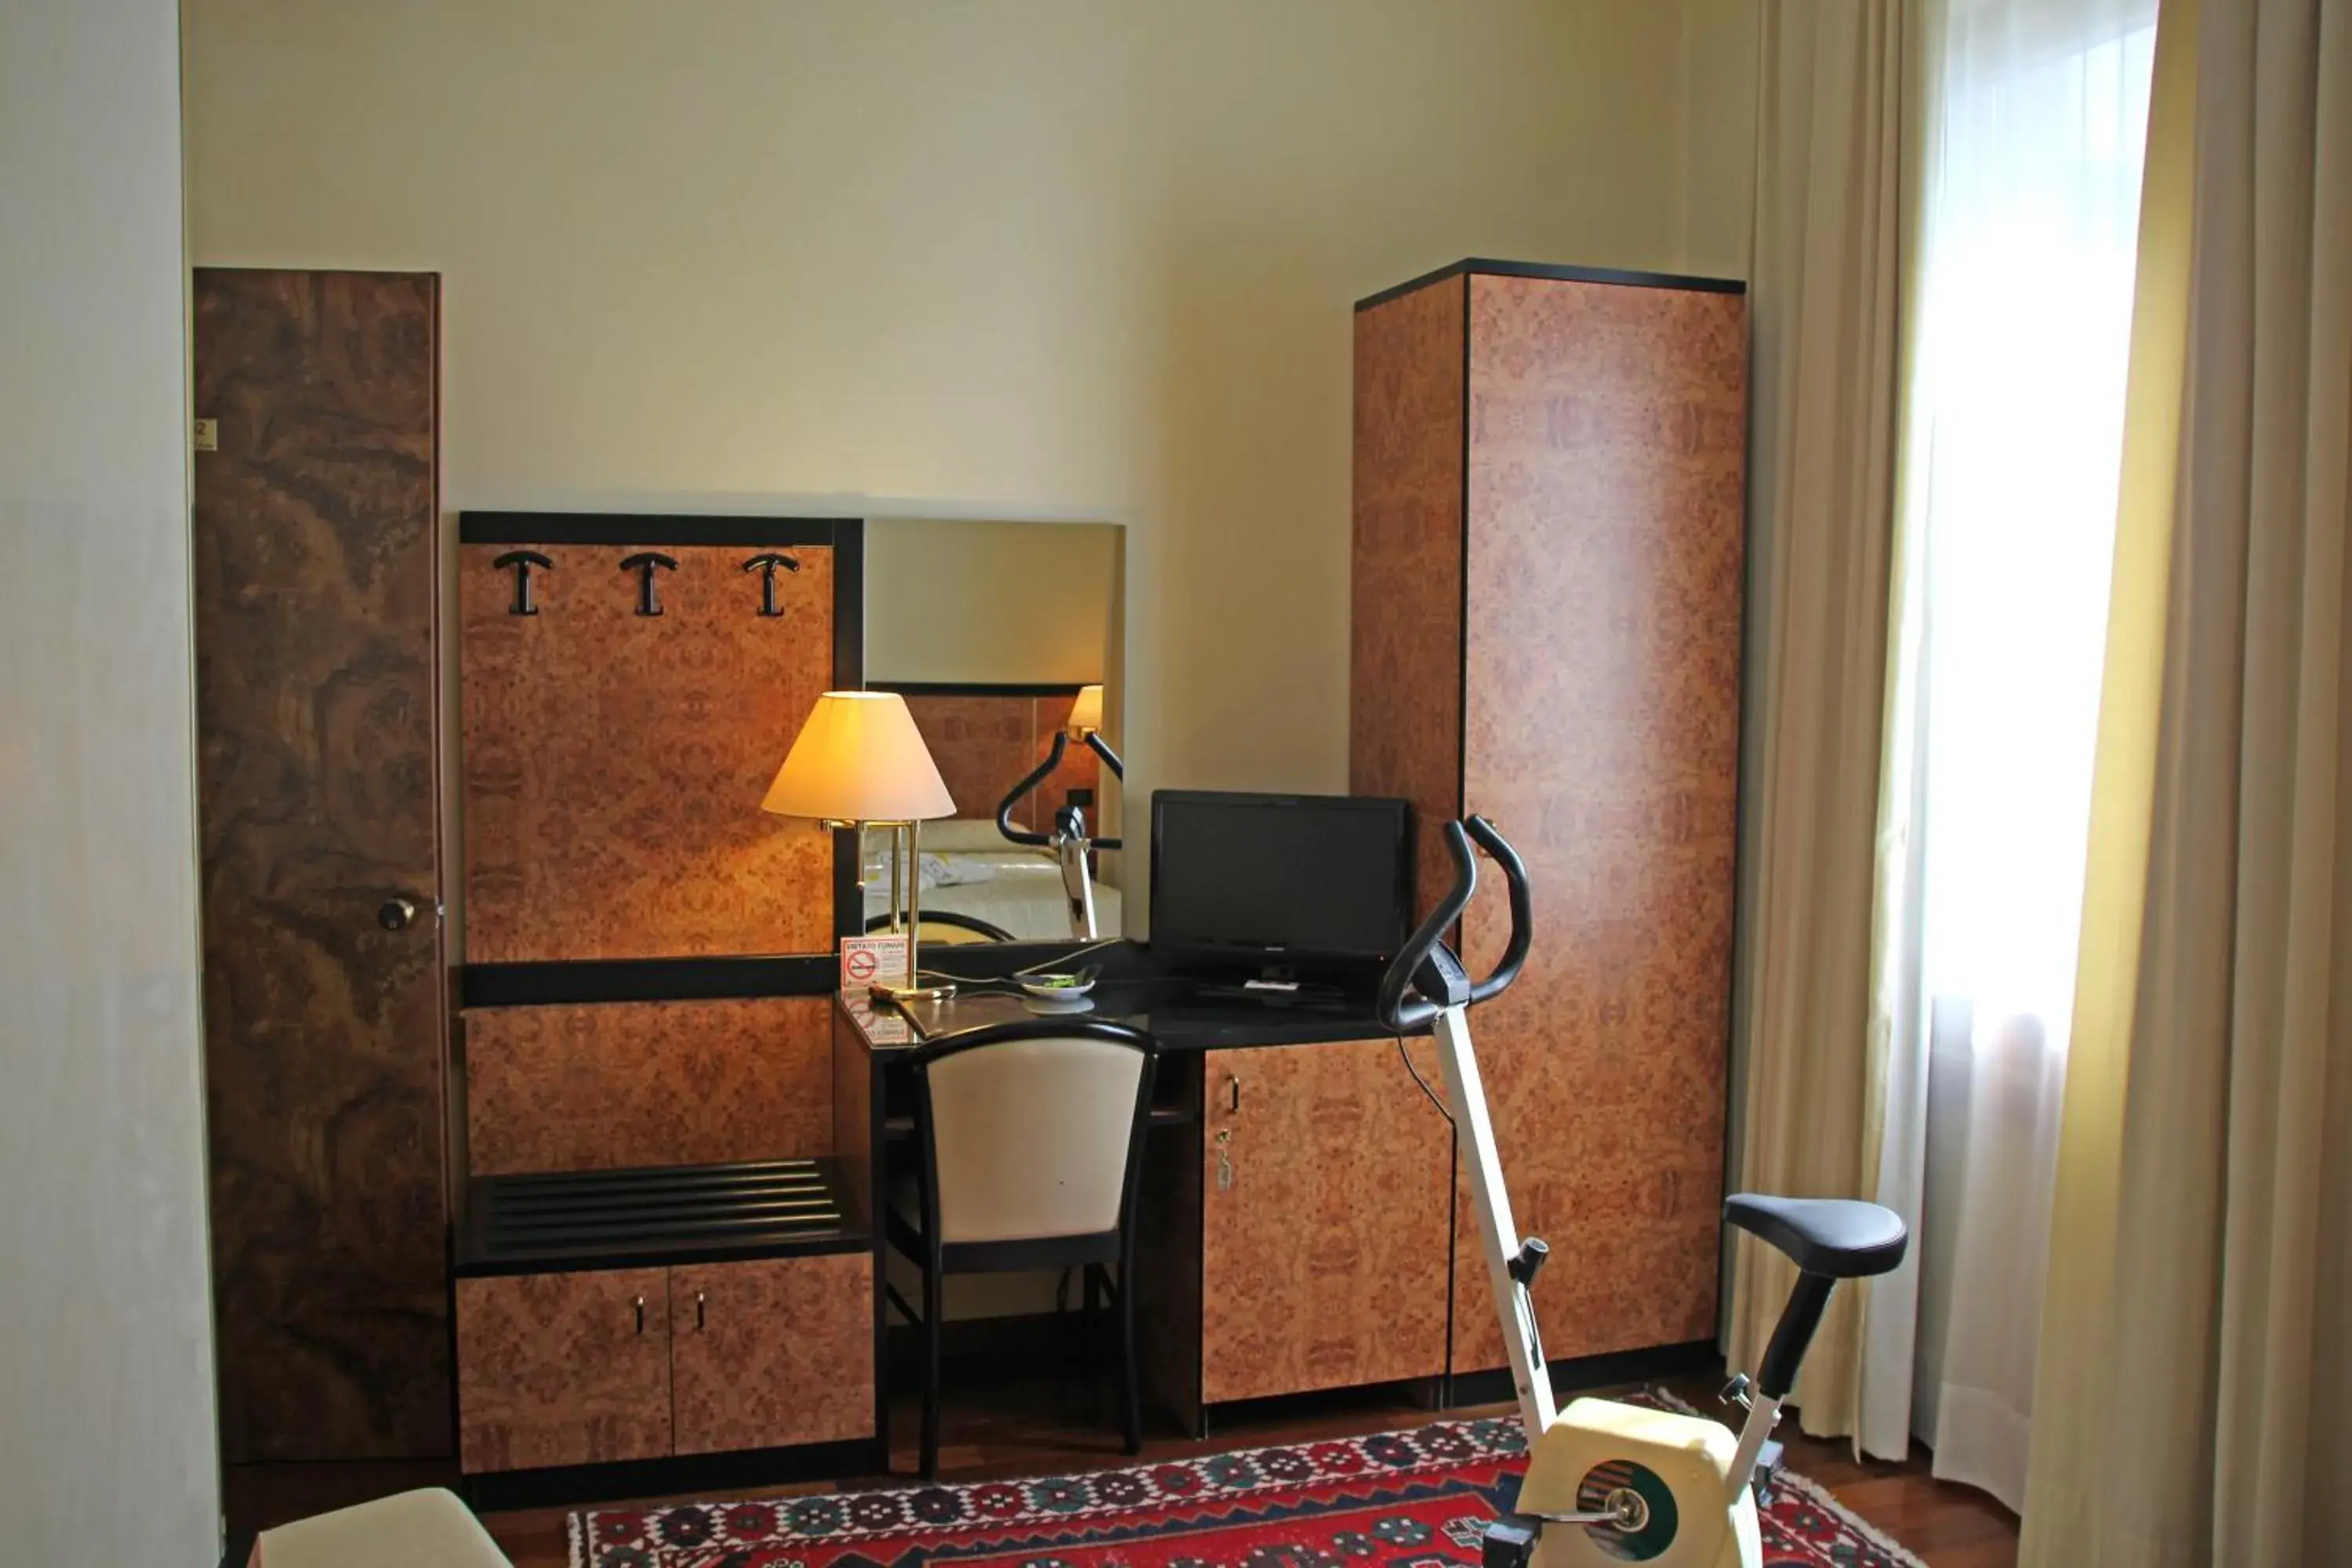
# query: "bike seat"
1840 1237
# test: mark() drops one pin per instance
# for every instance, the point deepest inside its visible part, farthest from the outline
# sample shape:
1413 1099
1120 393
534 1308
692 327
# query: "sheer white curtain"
2037 114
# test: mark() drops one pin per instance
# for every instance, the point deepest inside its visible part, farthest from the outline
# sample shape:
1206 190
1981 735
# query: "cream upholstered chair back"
1033 1130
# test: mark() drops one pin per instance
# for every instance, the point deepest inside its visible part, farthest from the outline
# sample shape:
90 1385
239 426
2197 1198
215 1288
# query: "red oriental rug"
1395 1499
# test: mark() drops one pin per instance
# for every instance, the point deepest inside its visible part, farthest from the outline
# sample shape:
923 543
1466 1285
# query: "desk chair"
1032 1139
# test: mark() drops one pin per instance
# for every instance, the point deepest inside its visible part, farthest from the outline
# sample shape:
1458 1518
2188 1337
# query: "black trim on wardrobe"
647 979
1488 268
621 528
849 674
977 688
1741 808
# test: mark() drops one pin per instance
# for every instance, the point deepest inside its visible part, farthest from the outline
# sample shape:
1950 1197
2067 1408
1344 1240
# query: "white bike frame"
1500 1239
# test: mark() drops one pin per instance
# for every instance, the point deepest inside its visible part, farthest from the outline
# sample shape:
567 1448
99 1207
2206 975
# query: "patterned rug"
1396 1500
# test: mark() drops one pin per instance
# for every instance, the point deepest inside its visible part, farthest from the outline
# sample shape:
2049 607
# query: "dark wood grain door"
314 547
1323 1220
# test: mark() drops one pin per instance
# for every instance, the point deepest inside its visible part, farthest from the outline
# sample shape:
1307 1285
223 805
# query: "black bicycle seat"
1840 1237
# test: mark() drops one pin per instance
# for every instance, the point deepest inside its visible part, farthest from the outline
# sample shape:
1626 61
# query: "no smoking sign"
873 961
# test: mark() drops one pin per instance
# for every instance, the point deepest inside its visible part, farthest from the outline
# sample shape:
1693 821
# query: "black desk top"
1182 1015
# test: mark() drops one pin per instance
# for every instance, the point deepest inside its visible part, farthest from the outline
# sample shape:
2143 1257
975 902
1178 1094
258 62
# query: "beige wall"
106 1405
989 601
1042 258
1719 133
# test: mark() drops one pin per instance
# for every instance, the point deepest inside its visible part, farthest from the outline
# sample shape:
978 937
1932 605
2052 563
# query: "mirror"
1006 641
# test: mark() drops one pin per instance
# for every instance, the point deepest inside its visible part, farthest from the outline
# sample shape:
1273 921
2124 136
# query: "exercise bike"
1609 1482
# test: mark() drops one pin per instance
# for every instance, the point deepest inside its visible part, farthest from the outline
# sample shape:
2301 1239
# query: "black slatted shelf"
542 1223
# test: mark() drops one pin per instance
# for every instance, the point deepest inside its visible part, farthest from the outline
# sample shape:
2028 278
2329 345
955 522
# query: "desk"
1296 1214
1181 1014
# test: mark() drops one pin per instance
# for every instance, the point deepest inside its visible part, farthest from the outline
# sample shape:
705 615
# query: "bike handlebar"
1399 1011
1036 776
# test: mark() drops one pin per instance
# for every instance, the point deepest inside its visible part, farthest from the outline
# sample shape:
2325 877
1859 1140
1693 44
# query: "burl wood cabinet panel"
648 1083
772 1353
1598 565
1323 1260
313 553
1406 626
562 1369
1606 485
614 761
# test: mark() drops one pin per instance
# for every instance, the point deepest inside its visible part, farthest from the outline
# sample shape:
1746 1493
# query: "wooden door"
314 536
1324 1196
770 1352
1602 686
562 1369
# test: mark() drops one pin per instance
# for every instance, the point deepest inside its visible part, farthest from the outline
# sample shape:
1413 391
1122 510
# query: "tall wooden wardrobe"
1548 561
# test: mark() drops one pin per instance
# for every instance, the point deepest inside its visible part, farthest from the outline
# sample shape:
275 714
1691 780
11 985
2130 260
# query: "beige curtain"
2194 1401
1836 80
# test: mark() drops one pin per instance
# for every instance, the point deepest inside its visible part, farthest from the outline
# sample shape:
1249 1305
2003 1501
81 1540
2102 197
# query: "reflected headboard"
985 738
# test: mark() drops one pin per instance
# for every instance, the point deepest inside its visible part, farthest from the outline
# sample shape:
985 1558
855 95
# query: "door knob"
396 914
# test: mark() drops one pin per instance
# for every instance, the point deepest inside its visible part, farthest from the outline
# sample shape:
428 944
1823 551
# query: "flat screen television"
1281 877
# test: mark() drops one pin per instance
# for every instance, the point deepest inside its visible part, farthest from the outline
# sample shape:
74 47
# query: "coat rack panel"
606 1086
625 708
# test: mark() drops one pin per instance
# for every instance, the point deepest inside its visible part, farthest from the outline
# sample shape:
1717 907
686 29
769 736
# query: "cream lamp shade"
859 758
1086 714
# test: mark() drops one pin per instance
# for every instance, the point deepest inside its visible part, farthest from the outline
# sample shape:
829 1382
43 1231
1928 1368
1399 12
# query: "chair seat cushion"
1841 1238
428 1528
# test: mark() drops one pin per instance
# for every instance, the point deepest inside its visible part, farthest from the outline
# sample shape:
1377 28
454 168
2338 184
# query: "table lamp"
1086 714
1084 725
858 762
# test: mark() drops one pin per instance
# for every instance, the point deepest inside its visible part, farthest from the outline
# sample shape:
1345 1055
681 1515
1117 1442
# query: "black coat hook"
522 561
765 565
643 564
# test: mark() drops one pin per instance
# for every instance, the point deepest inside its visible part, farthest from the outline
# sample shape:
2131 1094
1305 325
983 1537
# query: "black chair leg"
933 1293
1131 1394
1090 1319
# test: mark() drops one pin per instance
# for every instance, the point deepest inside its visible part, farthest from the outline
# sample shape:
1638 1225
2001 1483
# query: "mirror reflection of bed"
1003 638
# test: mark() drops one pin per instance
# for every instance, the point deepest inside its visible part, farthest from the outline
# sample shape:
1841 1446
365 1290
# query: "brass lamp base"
912 992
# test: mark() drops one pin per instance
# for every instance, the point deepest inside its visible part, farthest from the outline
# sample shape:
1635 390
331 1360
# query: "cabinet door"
562 1369
1325 1182
770 1352
1601 683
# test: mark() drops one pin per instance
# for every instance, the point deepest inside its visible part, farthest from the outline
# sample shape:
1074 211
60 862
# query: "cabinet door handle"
697 1312
1233 1087
641 1314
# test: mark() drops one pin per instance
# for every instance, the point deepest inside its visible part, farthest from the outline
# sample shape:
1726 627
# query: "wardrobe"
1547 581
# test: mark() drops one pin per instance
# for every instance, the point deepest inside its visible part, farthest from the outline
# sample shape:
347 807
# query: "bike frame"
1499 1237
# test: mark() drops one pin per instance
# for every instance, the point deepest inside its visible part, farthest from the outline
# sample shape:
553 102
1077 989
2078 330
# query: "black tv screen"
1318 876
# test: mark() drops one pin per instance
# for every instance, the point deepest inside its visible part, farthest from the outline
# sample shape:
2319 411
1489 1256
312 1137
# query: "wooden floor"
1038 1426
